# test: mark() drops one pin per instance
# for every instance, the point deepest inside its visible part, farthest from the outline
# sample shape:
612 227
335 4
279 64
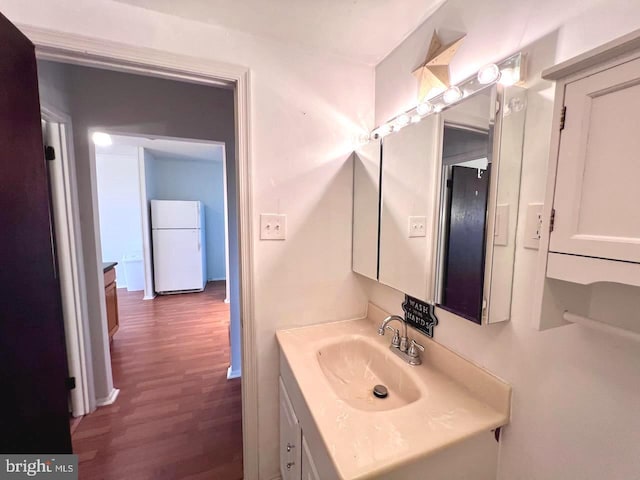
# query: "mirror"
465 172
479 186
407 206
366 207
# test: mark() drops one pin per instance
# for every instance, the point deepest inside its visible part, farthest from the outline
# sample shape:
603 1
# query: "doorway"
199 310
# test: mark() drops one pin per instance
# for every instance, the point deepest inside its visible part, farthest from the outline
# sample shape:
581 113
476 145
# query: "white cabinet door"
309 471
597 194
290 437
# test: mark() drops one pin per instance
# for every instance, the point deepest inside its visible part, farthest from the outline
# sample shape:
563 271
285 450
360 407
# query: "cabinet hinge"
563 117
49 153
552 220
70 382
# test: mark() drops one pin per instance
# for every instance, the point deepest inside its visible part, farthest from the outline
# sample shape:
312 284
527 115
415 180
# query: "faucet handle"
395 341
413 349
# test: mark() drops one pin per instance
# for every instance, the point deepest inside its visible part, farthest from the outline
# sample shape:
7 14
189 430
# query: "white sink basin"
355 365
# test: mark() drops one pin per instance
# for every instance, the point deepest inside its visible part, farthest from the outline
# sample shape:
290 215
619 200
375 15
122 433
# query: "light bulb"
488 74
101 139
451 95
381 131
424 108
402 120
508 76
416 118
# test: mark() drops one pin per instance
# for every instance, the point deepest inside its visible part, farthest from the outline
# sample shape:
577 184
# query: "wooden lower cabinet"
111 299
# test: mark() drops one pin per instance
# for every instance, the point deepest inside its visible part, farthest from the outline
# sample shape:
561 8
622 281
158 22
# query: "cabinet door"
111 298
290 436
309 471
597 195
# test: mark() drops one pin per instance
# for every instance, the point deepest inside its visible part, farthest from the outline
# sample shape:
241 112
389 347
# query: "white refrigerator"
179 259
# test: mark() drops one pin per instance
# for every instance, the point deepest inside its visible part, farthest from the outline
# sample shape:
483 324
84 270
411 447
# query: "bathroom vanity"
438 421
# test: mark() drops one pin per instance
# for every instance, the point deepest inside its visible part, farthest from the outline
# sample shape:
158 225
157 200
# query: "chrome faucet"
400 344
403 342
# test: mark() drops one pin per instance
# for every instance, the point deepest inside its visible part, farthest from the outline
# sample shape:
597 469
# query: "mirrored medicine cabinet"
435 205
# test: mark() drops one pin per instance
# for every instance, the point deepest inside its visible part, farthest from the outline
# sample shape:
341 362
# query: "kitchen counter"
106 266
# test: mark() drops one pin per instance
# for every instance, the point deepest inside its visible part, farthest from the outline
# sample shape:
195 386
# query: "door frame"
69 255
77 49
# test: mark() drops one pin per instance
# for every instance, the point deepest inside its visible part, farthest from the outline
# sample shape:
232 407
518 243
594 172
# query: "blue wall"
184 178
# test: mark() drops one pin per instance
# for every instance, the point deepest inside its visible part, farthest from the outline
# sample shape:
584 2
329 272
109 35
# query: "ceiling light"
101 139
488 74
508 76
424 108
451 95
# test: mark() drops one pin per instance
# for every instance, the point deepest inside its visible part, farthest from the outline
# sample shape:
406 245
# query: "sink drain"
380 391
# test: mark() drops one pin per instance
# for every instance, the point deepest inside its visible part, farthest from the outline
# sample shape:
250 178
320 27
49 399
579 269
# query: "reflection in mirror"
504 217
406 216
479 193
465 185
366 204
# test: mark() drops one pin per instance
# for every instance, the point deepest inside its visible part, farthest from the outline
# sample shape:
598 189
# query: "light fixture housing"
101 139
508 71
488 74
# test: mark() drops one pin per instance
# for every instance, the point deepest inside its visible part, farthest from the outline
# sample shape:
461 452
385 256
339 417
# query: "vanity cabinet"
309 471
290 439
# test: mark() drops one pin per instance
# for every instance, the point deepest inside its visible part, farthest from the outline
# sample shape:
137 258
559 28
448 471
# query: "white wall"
185 178
306 108
575 413
118 182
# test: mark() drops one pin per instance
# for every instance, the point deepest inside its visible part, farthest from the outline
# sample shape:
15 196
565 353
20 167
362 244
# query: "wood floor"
177 416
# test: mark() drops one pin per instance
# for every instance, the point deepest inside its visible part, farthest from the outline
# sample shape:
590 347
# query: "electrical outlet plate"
273 226
417 227
533 226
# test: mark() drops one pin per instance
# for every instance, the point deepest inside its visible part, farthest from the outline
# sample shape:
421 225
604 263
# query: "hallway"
177 415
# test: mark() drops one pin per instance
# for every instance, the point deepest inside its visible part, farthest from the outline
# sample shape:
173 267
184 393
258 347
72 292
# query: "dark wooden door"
464 266
34 414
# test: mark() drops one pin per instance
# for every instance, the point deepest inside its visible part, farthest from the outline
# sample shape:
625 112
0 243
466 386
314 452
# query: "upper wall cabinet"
597 196
591 208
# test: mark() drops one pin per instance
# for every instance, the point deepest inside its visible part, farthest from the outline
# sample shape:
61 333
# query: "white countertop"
457 400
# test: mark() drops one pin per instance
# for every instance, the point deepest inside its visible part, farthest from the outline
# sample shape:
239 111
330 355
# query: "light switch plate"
273 226
501 229
533 227
417 227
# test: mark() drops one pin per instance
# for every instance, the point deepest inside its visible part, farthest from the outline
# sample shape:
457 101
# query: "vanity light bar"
507 72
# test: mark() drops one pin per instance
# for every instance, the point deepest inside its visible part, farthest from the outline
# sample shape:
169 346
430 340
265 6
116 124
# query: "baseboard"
226 300
109 399
149 298
233 373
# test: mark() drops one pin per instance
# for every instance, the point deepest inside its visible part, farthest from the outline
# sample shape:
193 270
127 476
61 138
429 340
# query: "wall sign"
419 315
